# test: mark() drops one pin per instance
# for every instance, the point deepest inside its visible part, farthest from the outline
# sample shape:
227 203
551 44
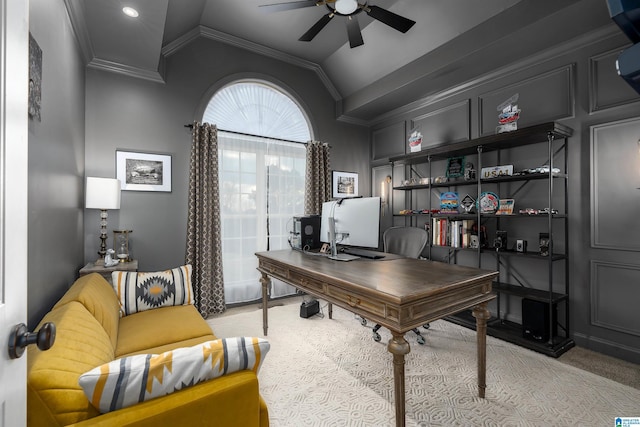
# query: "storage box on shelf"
550 141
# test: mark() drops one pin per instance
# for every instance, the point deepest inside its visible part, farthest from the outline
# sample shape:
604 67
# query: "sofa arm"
231 400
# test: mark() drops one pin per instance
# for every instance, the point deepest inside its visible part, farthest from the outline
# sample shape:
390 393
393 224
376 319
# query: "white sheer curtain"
261 189
262 179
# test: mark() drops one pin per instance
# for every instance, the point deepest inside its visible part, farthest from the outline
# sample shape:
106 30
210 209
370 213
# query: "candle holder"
121 244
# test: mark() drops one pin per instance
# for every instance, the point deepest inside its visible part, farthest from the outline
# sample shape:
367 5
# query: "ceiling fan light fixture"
346 7
129 11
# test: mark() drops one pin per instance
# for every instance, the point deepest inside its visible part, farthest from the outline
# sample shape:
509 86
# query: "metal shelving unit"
555 136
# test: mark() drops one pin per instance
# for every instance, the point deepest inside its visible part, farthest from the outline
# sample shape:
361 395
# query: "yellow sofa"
90 332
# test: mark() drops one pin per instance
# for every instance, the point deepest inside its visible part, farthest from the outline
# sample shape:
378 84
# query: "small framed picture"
143 171
344 184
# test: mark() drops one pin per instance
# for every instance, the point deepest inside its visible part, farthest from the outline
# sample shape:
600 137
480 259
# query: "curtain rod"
255 136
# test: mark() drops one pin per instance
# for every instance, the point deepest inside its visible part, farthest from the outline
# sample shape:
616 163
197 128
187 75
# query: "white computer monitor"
357 221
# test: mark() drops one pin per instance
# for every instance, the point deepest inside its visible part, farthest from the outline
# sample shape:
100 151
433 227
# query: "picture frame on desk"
344 184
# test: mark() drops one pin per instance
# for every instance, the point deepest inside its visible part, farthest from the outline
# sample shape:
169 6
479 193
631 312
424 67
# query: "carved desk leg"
398 346
266 286
481 314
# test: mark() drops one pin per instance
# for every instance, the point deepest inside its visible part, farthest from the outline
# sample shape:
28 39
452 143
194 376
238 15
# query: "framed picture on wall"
143 171
344 184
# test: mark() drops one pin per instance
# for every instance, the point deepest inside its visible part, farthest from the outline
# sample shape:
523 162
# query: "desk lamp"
103 194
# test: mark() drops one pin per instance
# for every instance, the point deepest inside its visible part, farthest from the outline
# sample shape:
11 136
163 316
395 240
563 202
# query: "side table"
106 271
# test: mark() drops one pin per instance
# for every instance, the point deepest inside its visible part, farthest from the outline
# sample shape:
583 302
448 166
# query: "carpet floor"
322 372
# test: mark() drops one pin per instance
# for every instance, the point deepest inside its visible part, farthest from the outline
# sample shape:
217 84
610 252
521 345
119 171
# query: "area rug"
322 372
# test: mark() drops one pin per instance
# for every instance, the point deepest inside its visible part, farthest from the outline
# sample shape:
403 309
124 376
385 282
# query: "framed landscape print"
143 171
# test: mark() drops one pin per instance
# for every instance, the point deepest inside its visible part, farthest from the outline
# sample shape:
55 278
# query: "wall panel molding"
388 141
615 179
545 97
606 88
445 125
614 291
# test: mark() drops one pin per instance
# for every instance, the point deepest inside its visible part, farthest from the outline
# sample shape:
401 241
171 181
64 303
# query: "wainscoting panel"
606 88
615 183
388 141
446 125
615 291
546 97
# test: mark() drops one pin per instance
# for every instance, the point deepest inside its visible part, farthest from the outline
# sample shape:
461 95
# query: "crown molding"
75 13
141 73
209 33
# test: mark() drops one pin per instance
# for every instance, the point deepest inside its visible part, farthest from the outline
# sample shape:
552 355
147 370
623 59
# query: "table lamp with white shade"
103 194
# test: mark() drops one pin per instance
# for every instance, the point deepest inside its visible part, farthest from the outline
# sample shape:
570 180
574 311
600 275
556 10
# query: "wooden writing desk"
398 293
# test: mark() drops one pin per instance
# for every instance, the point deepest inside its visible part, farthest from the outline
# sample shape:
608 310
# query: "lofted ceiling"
367 80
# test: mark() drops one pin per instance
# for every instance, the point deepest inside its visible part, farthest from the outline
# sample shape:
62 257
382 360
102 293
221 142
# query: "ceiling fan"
349 9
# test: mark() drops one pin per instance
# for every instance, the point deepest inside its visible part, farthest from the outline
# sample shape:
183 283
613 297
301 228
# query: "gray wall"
56 162
575 84
128 113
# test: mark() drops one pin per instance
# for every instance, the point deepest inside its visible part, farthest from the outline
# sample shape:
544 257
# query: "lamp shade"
102 193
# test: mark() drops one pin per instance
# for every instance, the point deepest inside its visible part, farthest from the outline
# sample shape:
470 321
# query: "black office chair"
408 242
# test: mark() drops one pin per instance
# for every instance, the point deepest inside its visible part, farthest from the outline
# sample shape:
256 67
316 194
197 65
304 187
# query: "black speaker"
535 319
307 228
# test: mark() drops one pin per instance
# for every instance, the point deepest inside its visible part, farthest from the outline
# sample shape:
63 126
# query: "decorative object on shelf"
508 116
500 242
474 242
505 207
103 194
544 244
496 171
425 181
487 202
415 141
440 179
469 172
143 171
542 169
109 260
455 167
521 245
467 203
449 202
121 244
344 184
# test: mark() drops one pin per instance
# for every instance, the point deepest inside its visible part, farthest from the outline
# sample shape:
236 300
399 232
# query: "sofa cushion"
54 396
142 377
145 291
97 295
141 332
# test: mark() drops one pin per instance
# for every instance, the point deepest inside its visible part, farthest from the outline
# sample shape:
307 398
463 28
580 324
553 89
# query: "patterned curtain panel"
317 177
203 225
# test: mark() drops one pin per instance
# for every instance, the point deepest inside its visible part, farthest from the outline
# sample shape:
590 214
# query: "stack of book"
454 233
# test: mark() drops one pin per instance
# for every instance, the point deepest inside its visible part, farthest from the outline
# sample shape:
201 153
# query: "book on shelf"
454 233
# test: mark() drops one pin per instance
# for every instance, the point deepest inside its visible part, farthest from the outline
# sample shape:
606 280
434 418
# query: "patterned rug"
322 372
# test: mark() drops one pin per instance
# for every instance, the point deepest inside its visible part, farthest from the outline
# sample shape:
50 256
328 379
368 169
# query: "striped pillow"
145 291
130 380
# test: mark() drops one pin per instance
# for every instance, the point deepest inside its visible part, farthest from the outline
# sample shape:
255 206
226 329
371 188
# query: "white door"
14 83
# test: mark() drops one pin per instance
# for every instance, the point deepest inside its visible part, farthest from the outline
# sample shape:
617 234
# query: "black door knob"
20 337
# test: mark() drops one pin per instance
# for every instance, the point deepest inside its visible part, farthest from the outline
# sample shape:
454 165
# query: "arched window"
262 166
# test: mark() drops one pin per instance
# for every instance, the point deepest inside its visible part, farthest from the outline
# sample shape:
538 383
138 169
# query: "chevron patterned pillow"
130 380
145 291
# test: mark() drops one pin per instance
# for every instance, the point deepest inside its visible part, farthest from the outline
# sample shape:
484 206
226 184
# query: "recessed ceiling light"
129 11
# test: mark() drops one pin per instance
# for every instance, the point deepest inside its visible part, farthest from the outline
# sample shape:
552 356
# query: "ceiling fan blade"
354 33
317 27
393 20
279 7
